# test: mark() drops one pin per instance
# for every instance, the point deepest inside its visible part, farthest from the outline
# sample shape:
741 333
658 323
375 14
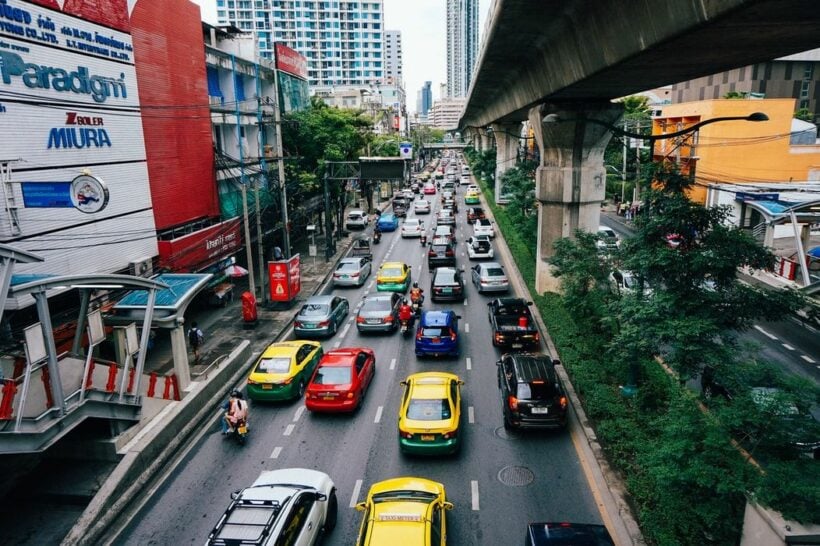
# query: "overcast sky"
424 41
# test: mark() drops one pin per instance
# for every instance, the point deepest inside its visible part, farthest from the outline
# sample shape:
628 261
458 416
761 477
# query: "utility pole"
329 247
248 249
259 247
623 171
277 121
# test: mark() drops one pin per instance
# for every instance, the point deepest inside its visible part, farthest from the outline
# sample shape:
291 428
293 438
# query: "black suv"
442 253
532 395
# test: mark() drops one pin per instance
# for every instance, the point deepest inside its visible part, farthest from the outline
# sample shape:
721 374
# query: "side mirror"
529 303
321 496
447 505
360 506
458 317
403 383
235 494
460 382
498 363
556 362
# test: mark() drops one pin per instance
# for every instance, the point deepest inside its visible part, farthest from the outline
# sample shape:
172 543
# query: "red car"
429 189
340 380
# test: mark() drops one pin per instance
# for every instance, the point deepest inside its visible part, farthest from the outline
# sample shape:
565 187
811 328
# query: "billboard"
202 248
285 278
290 61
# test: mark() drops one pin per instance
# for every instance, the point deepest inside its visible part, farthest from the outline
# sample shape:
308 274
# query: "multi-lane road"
499 482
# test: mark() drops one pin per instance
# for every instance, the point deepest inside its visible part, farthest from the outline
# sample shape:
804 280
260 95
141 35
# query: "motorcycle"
377 237
240 431
416 304
423 240
405 327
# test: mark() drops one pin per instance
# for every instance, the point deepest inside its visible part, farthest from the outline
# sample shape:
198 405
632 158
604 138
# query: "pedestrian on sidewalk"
195 338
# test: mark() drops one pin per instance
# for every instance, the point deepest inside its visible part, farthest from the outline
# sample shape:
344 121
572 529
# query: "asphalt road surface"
542 476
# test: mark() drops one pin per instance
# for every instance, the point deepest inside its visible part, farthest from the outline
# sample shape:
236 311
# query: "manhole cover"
515 476
505 434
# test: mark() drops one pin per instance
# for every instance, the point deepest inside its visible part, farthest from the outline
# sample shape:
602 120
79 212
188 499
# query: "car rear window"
391 272
429 410
435 332
332 375
354 216
495 272
273 365
536 390
439 248
314 310
348 266
445 277
376 305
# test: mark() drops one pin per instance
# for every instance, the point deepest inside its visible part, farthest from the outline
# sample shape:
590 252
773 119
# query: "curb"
609 489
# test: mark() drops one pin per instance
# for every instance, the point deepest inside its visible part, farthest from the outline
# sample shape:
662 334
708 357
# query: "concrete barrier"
154 446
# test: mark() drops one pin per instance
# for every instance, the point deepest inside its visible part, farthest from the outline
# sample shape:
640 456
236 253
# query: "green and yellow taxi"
404 512
430 414
393 277
471 198
284 370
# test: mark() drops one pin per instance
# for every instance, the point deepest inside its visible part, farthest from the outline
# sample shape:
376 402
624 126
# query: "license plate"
448 291
328 397
243 429
427 437
345 276
517 345
267 387
308 326
374 321
541 411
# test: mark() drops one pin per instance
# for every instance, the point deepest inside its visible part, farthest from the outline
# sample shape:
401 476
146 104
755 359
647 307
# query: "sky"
424 41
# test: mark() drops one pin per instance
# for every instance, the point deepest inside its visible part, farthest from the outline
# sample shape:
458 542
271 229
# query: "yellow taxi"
471 198
430 414
393 277
404 512
283 370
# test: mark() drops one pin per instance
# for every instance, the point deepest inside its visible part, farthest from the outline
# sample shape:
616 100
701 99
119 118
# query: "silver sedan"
490 277
352 271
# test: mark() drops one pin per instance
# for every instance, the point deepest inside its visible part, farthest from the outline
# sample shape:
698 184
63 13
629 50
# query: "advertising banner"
285 278
291 61
196 250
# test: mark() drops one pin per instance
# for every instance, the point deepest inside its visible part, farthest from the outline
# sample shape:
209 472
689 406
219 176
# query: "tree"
637 117
804 114
736 95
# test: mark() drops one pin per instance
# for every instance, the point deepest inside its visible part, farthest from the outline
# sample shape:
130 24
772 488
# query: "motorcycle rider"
417 294
237 411
406 313
377 232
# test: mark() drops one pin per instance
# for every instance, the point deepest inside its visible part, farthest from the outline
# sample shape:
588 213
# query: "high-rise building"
392 57
462 45
343 42
425 98
445 113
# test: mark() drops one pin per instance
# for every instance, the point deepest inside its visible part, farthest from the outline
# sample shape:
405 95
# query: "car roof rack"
246 522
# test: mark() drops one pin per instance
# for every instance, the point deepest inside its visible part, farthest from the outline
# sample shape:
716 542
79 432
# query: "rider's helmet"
415 284
404 301
236 393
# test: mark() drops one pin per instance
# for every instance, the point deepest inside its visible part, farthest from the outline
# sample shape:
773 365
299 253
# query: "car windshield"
376 305
275 364
494 272
391 272
536 390
404 495
429 410
332 375
314 310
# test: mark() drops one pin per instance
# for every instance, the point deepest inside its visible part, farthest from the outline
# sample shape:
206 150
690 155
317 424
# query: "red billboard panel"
291 61
285 278
111 13
202 248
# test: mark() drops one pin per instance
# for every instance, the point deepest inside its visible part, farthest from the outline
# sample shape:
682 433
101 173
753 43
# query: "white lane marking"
276 451
787 346
807 359
289 430
392 363
378 414
470 415
466 327
351 319
345 330
474 492
369 286
299 411
337 344
469 363
355 496
764 332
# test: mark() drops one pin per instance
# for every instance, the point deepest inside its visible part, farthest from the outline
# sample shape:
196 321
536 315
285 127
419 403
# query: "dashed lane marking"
787 346
289 430
351 319
276 451
470 415
378 414
465 303
469 363
764 332
345 330
337 344
466 327
354 498
808 359
474 494
299 411
392 363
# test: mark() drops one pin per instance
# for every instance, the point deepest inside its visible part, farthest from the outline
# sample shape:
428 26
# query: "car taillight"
563 402
452 336
349 395
354 275
252 382
406 435
512 401
499 337
312 395
537 336
287 381
419 335
449 253
360 320
324 324
389 318
297 323
448 435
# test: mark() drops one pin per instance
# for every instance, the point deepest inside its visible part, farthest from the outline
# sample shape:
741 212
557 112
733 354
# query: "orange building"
779 150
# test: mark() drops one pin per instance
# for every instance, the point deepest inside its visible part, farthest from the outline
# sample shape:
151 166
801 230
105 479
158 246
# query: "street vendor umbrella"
235 271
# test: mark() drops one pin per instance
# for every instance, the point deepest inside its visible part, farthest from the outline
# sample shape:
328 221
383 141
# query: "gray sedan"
490 277
320 316
352 271
379 313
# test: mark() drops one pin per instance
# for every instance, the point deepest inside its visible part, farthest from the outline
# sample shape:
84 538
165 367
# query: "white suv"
356 219
286 506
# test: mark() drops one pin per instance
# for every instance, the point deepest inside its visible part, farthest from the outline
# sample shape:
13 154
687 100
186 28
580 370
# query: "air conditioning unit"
141 268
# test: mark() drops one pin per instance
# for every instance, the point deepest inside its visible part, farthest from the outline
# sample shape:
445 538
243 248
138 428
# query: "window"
435 526
296 520
333 375
361 358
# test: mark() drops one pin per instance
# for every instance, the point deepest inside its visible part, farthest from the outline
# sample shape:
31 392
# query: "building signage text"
77 133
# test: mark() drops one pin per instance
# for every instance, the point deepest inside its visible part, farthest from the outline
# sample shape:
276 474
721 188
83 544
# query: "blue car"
437 334
388 222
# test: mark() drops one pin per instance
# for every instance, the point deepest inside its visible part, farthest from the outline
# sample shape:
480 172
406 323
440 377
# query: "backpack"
194 336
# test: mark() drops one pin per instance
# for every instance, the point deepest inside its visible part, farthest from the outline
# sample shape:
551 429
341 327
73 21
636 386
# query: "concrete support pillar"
506 151
571 181
486 142
179 350
476 140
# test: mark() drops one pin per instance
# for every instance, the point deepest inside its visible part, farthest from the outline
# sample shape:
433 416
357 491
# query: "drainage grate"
515 476
505 434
